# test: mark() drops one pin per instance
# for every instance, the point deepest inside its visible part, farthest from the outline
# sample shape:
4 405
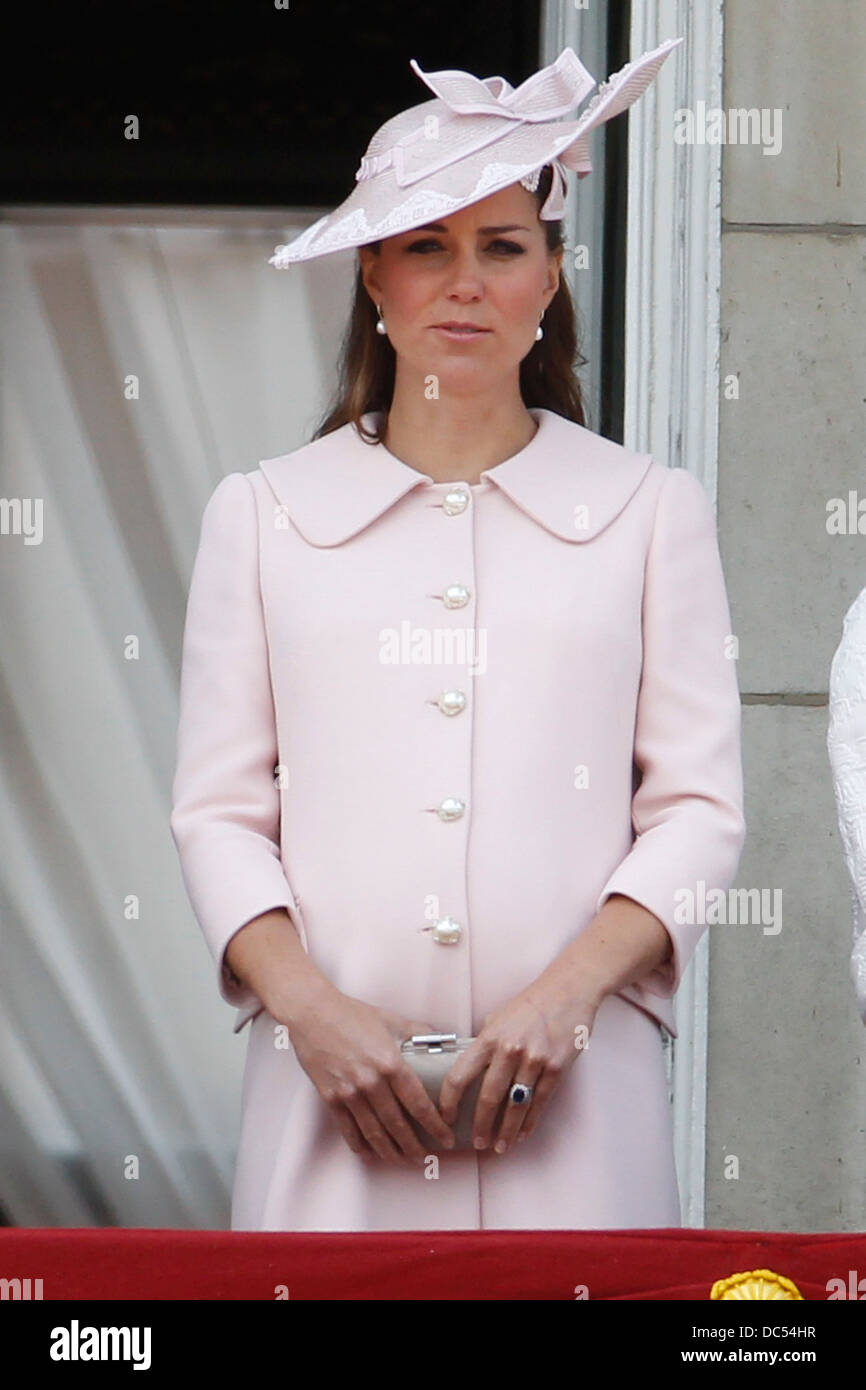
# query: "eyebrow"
486 231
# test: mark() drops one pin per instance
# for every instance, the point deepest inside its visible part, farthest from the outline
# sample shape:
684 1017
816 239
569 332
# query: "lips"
461 330
470 327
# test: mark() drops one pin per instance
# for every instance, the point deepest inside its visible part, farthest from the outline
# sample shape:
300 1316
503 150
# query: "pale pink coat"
313 760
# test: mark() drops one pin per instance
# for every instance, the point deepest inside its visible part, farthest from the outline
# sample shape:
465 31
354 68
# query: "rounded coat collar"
568 479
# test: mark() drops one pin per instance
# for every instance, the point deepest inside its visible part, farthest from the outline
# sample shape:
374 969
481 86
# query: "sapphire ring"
520 1093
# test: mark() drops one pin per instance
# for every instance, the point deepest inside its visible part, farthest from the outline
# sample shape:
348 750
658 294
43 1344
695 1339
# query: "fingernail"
501 1146
449 1143
480 1143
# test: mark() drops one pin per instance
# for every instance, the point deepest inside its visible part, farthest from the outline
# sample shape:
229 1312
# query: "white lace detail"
602 90
423 206
846 745
497 174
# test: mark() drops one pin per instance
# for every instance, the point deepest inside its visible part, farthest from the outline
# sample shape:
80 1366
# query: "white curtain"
119 1073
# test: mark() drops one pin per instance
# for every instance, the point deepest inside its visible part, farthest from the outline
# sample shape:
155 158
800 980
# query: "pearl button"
456 596
451 701
451 808
447 931
455 501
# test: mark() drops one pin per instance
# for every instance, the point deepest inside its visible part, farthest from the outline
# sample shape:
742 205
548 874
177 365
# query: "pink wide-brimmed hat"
474 138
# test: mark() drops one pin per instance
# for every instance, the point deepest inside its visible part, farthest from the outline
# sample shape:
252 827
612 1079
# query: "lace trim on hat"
424 206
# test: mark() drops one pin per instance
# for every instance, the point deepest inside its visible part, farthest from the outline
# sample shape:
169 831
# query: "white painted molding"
674 247
672 387
564 25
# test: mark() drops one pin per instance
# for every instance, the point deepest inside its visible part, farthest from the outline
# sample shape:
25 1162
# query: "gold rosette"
755 1283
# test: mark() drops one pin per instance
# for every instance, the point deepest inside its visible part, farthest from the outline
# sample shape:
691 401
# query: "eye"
499 247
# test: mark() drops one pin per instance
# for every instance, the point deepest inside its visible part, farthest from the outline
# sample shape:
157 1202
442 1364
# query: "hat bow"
546 96
482 111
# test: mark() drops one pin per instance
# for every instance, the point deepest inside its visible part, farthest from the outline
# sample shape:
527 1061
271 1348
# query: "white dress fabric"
846 745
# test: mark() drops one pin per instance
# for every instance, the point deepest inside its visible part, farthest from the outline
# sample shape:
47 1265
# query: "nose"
464 281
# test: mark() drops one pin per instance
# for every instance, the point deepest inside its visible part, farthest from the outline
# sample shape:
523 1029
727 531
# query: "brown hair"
367 359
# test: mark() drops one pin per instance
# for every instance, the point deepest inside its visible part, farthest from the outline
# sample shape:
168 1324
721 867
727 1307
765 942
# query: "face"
487 265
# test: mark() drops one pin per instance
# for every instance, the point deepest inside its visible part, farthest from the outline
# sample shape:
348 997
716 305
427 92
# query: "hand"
350 1051
533 1038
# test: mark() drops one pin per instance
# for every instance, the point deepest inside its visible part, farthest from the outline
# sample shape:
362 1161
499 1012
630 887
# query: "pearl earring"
380 322
539 332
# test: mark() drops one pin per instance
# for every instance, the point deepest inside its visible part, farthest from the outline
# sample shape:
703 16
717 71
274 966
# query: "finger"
537 1105
464 1071
350 1132
395 1122
410 1092
494 1088
514 1117
372 1130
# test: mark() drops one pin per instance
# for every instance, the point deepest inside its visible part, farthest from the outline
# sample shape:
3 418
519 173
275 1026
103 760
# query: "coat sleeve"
225 817
687 811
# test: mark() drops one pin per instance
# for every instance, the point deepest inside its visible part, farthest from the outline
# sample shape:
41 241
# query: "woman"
459 738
